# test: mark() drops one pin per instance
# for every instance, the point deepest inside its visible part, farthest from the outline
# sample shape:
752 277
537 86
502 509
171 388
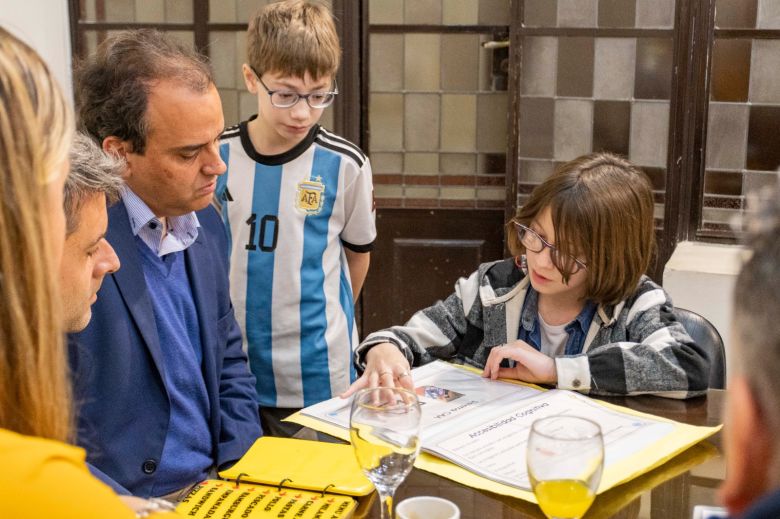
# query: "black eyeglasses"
287 98
531 240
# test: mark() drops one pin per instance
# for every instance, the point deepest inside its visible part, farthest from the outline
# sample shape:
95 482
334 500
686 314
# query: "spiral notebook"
302 464
218 498
283 477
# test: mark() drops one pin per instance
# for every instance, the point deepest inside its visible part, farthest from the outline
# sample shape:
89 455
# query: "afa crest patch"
310 196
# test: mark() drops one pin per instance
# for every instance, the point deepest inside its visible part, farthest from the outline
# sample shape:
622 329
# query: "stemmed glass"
565 459
384 427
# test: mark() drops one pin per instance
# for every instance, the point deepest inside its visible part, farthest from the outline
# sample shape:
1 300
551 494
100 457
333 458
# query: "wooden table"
667 492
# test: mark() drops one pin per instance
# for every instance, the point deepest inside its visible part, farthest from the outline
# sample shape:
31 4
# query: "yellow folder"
216 498
301 464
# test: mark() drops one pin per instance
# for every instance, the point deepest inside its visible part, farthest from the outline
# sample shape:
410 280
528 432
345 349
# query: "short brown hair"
293 37
113 85
602 211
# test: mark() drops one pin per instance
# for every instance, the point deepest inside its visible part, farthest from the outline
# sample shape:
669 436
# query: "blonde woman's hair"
36 129
292 38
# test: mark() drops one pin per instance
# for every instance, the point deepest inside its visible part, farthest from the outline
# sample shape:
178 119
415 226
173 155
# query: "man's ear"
250 79
749 450
115 146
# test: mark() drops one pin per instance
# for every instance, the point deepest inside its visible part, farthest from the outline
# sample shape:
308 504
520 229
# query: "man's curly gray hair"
92 172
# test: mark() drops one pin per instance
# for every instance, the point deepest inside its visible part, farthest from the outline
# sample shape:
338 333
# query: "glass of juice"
565 459
385 433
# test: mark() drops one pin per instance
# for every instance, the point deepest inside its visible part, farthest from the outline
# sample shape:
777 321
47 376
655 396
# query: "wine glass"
565 459
384 427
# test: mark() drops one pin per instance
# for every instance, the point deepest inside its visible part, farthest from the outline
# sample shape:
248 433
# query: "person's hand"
148 507
530 365
386 366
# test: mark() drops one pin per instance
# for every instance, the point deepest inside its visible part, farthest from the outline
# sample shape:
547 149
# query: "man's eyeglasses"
531 240
287 99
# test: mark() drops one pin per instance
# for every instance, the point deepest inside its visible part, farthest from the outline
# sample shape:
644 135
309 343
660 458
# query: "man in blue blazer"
164 391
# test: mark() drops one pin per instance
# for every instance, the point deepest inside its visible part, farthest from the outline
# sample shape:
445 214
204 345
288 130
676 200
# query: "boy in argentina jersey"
298 206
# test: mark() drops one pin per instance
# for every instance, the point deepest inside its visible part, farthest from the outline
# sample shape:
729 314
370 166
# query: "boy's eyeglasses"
287 99
535 243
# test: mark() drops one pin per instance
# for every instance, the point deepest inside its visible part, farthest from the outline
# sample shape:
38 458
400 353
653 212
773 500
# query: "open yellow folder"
679 438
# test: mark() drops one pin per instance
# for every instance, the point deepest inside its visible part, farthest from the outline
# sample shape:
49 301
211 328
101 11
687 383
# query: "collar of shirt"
529 323
179 233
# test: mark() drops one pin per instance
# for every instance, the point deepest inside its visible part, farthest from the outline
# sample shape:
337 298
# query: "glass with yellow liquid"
385 433
565 459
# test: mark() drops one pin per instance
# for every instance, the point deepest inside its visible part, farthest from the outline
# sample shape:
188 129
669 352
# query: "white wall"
701 277
43 24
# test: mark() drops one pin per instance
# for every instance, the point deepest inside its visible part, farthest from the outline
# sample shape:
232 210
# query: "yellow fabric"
44 479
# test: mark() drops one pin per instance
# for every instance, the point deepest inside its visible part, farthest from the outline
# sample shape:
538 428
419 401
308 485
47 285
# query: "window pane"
584 94
577 13
137 11
735 14
742 151
437 112
617 13
111 10
438 12
653 76
236 11
730 70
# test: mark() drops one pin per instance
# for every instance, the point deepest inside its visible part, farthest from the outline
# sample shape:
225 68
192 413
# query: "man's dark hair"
113 85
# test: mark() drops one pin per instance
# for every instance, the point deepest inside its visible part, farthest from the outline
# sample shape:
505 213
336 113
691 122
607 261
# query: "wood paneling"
419 254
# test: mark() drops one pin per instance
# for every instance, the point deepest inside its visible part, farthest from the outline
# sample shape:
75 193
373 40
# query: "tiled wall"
437 105
438 101
226 48
141 11
592 93
228 53
743 150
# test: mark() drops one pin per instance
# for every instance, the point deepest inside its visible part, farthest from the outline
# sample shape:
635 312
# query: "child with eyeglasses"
297 201
572 309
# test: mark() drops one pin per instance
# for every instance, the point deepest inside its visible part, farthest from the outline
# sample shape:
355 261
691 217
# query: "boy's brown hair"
602 211
292 38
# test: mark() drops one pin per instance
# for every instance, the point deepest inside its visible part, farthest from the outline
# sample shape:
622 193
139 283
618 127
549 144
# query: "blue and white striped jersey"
288 218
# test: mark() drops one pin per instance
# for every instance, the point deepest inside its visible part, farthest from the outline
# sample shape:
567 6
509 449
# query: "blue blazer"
122 403
766 507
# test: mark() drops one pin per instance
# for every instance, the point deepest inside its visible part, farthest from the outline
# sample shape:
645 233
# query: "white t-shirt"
553 338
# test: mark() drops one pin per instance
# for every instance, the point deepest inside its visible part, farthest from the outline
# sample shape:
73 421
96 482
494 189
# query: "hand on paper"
386 366
530 365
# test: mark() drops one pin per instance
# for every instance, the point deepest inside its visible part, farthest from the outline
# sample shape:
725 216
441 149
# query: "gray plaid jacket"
634 347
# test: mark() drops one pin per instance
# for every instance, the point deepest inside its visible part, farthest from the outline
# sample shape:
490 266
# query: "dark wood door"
420 254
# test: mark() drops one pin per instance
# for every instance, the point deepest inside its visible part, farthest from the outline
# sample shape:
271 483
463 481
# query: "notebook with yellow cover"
216 498
301 464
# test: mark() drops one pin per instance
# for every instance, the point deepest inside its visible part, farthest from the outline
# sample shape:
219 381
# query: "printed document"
483 425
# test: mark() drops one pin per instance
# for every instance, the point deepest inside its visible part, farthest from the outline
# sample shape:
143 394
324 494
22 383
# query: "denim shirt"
531 333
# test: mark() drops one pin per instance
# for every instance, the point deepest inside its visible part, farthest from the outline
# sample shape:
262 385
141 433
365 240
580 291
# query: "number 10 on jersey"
269 232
